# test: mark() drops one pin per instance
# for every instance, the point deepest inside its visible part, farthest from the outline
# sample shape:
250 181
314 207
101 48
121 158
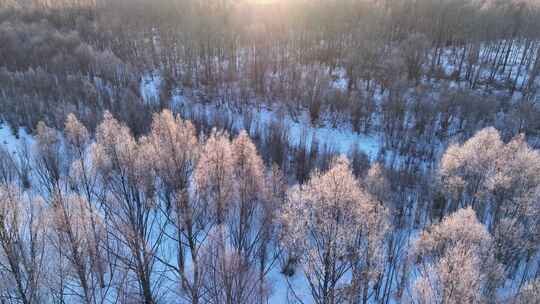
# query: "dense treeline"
169 217
416 73
237 52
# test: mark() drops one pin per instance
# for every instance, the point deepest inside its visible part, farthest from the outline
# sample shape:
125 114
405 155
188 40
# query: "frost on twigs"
214 175
332 225
501 182
455 262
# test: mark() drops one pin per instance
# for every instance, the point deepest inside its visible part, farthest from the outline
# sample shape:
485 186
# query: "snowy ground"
149 88
341 139
11 143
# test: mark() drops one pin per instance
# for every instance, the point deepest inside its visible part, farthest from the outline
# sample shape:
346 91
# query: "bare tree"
250 218
334 228
214 176
75 233
175 151
500 181
130 205
83 180
23 247
455 261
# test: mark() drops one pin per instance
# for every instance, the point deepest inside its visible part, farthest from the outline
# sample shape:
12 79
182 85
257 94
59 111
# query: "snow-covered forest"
269 151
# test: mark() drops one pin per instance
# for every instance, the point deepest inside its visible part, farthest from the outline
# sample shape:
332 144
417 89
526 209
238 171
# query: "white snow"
341 139
150 86
12 143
